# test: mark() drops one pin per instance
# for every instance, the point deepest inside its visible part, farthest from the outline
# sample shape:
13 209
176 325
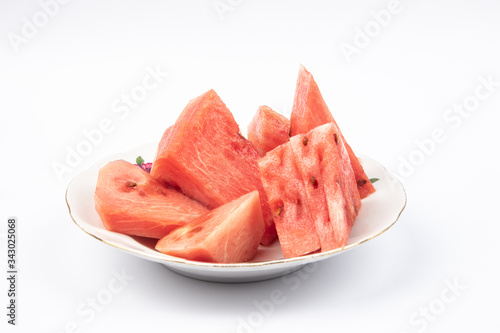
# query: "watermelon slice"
287 199
310 111
308 153
228 234
268 129
205 156
311 188
336 180
128 200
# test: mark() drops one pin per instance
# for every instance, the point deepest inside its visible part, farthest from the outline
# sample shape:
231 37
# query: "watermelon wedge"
311 188
268 129
336 179
128 200
308 154
205 156
310 111
228 234
287 199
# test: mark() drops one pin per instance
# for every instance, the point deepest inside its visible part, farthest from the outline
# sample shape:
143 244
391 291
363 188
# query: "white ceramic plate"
378 213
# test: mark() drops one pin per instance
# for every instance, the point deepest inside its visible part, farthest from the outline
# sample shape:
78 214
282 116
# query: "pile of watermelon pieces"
214 196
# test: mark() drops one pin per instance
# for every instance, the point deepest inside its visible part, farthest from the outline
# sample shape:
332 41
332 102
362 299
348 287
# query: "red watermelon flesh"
287 199
228 234
128 200
310 111
337 180
309 108
205 156
307 155
268 129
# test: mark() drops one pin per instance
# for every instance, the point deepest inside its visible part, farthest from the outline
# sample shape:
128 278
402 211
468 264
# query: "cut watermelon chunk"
308 154
128 200
336 179
228 234
287 199
205 156
310 111
268 129
312 190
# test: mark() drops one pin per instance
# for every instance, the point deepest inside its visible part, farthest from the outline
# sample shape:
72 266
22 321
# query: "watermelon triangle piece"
287 199
228 234
268 129
329 183
337 180
310 111
129 201
311 188
307 156
205 156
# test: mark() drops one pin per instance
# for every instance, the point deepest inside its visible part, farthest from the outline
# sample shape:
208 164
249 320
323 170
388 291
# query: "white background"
399 88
